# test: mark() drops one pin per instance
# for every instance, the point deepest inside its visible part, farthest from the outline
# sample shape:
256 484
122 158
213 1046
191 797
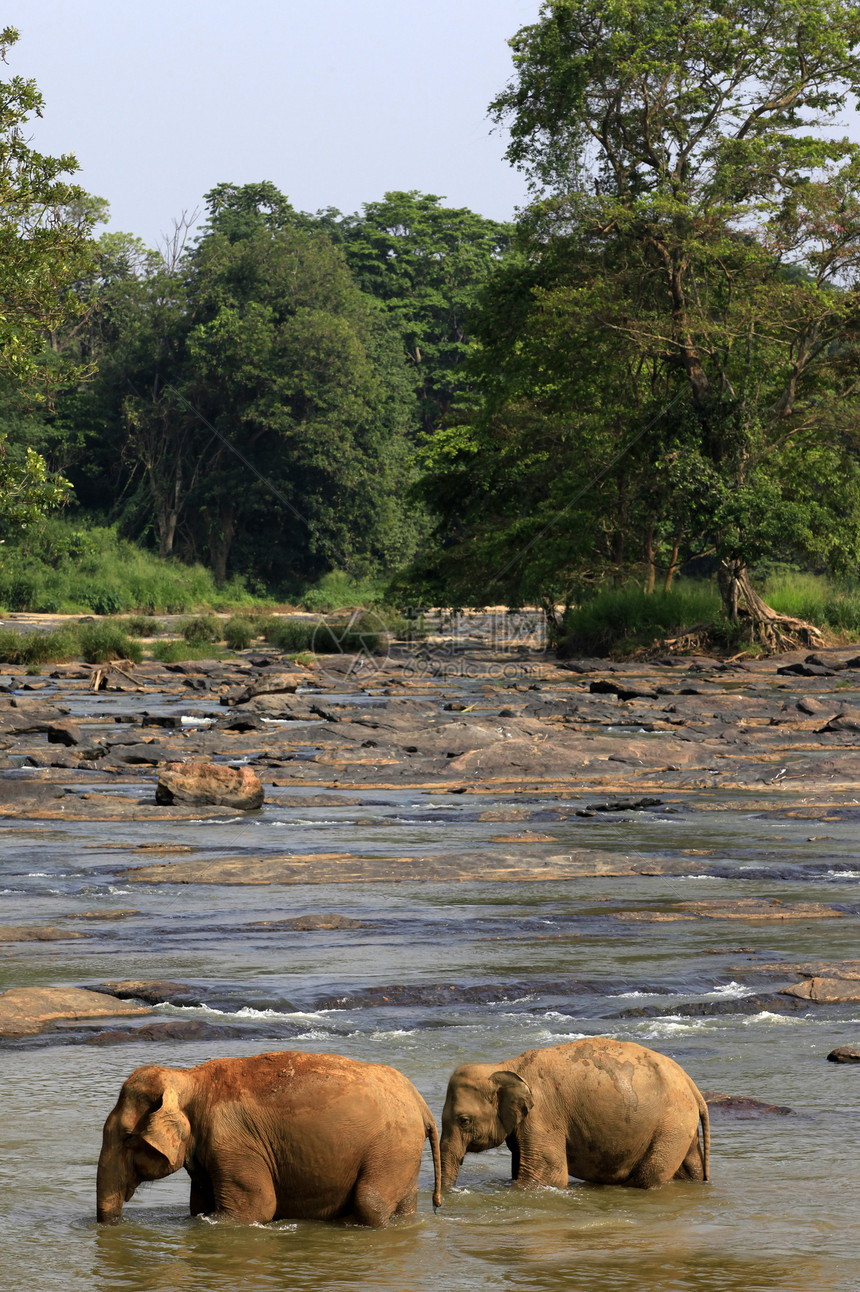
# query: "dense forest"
652 370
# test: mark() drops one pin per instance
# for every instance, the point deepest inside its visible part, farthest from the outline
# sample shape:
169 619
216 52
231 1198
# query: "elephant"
605 1111
286 1135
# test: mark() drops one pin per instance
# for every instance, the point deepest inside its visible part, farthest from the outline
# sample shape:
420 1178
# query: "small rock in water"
199 783
743 1105
845 1054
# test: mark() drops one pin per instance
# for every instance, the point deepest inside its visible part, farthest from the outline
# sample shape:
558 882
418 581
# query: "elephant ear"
515 1099
167 1129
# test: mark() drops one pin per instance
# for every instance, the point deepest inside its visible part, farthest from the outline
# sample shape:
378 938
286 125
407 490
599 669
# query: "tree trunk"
742 603
222 529
648 552
673 562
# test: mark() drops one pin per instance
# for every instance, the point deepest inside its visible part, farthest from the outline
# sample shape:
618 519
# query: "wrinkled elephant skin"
605 1111
277 1136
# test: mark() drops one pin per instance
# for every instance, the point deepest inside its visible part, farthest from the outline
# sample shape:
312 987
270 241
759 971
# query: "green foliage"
174 651
290 634
358 633
817 600
45 245
141 625
626 618
62 567
239 633
427 263
106 641
666 367
203 628
337 589
45 249
33 648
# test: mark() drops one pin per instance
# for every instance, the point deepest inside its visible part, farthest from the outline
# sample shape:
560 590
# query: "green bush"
290 634
102 642
336 590
239 633
141 625
619 619
204 628
816 599
63 566
174 651
39 648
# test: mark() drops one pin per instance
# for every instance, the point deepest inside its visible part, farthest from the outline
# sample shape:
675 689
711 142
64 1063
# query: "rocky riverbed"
453 853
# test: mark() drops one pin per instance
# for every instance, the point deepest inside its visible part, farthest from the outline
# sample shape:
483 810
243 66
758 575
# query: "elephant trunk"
451 1163
110 1192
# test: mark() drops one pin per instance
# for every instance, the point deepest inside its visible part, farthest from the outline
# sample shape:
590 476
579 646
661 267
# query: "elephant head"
145 1137
483 1107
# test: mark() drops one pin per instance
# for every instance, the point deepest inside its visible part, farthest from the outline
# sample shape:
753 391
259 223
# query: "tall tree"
301 374
427 263
45 250
697 230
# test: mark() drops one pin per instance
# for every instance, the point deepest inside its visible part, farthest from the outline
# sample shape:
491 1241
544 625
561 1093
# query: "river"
432 974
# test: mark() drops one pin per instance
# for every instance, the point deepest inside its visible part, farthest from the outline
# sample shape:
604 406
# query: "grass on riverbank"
624 620
64 569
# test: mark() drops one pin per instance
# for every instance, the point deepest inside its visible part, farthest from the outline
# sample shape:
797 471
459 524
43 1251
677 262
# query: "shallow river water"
526 964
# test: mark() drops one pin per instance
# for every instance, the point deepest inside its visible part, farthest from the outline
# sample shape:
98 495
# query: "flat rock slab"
25 1011
26 933
351 868
826 991
742 908
154 991
743 1105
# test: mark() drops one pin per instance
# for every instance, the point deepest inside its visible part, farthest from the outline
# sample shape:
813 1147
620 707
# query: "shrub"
39 648
619 619
239 633
337 589
290 634
204 628
173 651
102 642
141 625
65 566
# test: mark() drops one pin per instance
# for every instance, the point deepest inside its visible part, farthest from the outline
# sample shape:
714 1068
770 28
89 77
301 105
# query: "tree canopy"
45 250
679 326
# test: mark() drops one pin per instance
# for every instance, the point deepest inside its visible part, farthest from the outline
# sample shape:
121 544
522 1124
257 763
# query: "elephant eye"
464 1120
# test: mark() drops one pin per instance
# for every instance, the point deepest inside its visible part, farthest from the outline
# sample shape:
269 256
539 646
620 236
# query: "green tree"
427 263
300 373
45 251
685 328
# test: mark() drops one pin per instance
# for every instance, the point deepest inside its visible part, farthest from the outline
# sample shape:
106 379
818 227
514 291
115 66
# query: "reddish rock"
845 1054
198 783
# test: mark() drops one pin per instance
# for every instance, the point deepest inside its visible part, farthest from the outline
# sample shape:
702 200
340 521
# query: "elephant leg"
542 1162
250 1200
670 1155
692 1167
408 1204
369 1207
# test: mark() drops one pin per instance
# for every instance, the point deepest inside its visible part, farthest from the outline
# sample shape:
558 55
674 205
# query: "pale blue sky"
334 101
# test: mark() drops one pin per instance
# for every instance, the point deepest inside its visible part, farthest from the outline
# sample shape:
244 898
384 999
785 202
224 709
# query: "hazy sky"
335 101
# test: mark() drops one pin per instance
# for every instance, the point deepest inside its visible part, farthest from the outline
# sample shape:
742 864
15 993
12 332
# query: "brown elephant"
277 1136
605 1111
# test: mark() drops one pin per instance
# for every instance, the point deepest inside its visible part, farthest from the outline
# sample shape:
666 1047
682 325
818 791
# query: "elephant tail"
432 1134
705 1119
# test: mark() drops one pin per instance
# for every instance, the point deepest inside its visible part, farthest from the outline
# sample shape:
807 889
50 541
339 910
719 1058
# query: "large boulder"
199 783
845 1054
25 1011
